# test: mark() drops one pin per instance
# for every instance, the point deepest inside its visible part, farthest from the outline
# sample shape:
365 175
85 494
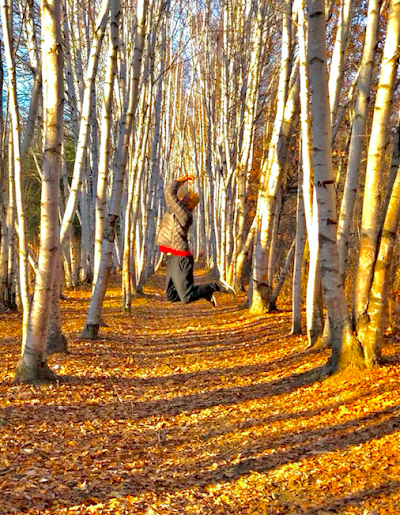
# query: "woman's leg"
182 277
170 290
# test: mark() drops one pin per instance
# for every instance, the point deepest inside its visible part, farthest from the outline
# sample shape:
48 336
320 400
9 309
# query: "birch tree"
373 179
372 334
105 140
314 320
94 315
298 259
6 18
346 349
338 56
358 138
70 208
33 363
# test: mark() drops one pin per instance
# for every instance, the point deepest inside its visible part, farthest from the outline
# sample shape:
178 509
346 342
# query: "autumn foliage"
186 409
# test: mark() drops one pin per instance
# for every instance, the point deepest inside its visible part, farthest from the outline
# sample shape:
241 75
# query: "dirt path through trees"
189 409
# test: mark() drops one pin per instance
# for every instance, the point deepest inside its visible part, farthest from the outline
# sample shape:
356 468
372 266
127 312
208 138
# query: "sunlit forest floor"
193 410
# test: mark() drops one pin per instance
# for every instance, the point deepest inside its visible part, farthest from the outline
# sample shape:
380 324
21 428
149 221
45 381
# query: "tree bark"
72 202
93 319
6 17
373 178
358 137
298 258
33 363
346 349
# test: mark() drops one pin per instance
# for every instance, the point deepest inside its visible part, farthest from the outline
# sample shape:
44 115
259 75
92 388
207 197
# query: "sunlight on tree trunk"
346 350
373 178
358 137
94 315
33 364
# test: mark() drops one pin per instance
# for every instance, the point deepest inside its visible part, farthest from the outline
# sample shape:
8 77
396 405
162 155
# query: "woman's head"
190 199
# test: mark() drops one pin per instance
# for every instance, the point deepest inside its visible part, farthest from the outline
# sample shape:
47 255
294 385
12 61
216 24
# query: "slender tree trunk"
6 17
371 335
372 201
346 350
3 205
32 115
282 276
12 278
268 199
298 258
79 164
358 137
72 97
155 158
94 315
338 57
105 140
250 108
33 363
274 237
246 249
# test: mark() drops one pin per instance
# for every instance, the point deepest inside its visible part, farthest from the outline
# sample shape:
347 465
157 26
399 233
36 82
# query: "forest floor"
187 409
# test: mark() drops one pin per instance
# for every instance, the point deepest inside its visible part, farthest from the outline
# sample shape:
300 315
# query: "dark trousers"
179 284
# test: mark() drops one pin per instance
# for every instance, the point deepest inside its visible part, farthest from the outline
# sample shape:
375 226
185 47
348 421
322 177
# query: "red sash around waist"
174 252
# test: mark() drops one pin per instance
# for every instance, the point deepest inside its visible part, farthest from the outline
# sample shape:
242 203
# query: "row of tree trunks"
94 314
223 104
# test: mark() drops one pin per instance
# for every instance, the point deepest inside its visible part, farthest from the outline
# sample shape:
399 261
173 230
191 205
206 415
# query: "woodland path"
193 410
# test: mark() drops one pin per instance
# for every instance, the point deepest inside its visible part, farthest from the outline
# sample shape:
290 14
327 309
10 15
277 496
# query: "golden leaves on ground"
188 410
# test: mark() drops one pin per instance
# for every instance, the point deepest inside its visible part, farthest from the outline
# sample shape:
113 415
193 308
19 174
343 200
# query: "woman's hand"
185 178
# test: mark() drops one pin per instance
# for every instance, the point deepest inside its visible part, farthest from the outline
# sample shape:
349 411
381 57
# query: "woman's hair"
190 197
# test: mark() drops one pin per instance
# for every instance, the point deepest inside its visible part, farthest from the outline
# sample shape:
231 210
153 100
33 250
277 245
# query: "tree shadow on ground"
173 406
182 377
354 499
297 446
161 474
189 341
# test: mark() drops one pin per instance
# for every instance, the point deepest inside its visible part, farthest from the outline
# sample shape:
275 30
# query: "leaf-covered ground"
194 410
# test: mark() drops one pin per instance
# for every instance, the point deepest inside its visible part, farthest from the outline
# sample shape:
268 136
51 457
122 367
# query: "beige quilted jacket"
176 221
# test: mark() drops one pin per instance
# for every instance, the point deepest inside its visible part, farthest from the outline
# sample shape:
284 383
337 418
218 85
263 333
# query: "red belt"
174 252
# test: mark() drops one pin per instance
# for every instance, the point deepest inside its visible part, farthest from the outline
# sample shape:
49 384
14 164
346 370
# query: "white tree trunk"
373 179
12 278
358 136
313 297
84 121
94 315
250 104
298 258
33 363
338 57
6 18
105 139
346 350
371 335
268 197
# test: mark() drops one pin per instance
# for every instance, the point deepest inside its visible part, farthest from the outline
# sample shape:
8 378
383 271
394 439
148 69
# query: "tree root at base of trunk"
57 343
90 332
39 373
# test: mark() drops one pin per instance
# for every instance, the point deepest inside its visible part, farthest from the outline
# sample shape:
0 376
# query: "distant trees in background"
287 113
